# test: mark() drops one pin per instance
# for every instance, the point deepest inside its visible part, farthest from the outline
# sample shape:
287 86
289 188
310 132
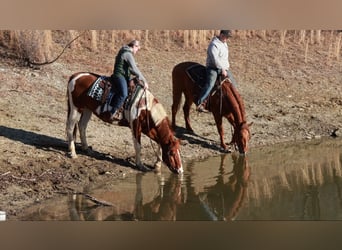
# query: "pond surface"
297 181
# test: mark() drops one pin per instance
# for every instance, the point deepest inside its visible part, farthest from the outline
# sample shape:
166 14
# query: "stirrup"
117 116
201 108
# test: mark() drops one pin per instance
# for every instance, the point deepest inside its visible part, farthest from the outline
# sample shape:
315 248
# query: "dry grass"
43 45
35 45
338 46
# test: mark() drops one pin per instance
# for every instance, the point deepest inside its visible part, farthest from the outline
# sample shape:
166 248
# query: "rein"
221 95
148 123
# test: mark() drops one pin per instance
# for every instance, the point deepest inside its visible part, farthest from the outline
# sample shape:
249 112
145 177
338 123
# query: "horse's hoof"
88 150
158 165
143 168
157 170
71 155
226 149
190 130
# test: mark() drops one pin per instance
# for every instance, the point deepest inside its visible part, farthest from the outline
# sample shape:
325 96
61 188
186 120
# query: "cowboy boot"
203 107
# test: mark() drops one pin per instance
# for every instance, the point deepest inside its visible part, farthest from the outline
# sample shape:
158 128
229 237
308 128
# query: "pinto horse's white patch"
72 81
144 100
158 113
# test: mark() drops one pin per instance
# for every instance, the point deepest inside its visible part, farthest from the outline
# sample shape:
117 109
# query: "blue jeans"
212 75
209 84
120 92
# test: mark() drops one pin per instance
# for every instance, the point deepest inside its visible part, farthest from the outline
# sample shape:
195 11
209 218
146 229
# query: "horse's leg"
137 148
71 129
218 121
82 124
176 96
174 110
186 111
230 119
136 133
159 160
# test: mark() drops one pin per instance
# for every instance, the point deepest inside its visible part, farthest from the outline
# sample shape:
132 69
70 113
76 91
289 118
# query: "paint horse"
144 115
225 101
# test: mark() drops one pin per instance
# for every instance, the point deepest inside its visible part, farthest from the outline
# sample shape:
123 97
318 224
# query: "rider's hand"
224 73
145 85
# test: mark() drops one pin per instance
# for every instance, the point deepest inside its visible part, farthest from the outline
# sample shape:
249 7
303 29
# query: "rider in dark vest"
124 68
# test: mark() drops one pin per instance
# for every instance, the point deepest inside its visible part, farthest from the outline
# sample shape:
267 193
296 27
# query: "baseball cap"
226 33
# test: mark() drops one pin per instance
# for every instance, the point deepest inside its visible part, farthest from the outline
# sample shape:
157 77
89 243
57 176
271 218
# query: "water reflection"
296 182
287 182
174 199
223 200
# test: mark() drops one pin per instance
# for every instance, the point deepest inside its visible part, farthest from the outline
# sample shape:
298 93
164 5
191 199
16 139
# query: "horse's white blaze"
180 170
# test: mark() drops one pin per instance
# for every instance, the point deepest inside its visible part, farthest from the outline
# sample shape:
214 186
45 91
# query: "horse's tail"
176 90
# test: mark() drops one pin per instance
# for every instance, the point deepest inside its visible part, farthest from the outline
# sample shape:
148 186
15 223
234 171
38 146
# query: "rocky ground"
286 98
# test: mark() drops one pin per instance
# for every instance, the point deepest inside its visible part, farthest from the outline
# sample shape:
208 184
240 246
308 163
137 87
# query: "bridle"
236 133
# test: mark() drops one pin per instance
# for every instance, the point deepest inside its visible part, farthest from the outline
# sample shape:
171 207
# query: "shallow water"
297 181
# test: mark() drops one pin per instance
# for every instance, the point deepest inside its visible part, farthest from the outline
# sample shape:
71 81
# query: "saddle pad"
96 91
197 73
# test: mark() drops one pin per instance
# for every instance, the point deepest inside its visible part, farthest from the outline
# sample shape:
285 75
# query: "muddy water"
300 181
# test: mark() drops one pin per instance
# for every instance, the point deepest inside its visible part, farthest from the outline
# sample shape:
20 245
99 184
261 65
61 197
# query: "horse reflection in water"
163 206
176 199
224 200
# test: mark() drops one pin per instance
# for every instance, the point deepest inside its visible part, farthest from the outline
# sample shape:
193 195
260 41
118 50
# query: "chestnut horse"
224 200
144 115
224 102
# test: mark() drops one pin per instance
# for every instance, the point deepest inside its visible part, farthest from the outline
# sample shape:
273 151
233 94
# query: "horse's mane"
236 101
239 101
156 112
165 132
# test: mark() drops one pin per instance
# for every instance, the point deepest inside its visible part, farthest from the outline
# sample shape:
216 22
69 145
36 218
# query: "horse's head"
241 137
171 156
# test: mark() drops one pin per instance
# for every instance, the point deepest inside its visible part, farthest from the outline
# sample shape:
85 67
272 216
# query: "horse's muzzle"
177 171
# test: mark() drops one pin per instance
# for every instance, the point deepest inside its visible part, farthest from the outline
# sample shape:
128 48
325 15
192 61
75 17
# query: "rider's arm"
134 69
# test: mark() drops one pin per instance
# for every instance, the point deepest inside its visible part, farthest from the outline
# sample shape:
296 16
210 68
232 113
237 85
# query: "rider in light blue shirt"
217 64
